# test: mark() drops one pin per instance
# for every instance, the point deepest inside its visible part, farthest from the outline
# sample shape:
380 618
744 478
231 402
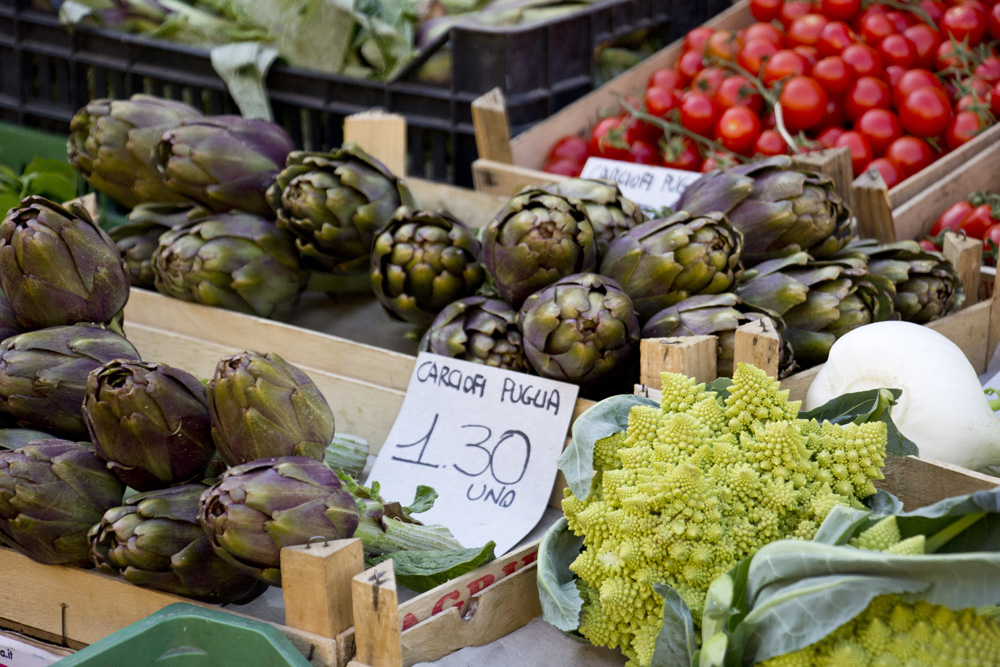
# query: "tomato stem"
670 127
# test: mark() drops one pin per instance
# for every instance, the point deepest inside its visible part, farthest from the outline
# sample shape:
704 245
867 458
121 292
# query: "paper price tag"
485 439
652 188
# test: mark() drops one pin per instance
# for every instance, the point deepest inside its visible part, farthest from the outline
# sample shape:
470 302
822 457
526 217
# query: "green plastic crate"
185 635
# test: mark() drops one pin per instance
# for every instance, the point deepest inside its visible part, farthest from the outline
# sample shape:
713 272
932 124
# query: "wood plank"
476 209
489 118
376 617
993 321
694 356
505 180
758 344
920 482
382 135
872 208
966 255
316 585
798 383
832 162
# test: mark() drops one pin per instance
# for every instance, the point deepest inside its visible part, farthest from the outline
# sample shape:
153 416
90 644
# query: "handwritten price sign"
652 188
486 439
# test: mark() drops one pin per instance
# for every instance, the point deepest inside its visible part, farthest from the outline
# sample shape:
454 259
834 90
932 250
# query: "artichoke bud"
609 211
257 508
51 493
262 406
479 329
138 239
579 329
57 266
149 422
423 261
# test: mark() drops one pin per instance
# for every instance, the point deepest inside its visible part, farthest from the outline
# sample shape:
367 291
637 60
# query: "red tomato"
972 101
606 138
881 127
864 94
861 150
991 242
995 100
785 63
890 171
803 103
963 23
639 130
791 11
911 154
660 102
839 10
683 154
833 115
935 9
893 73
901 20
988 70
963 127
810 54
709 79
643 152
926 41
828 137
724 45
898 50
834 38
993 21
976 223
751 57
927 244
571 147
863 60
770 143
737 130
979 86
696 39
805 30
665 78
569 168
952 217
947 57
697 113
925 112
689 65
737 91
767 31
910 81
875 27
765 10
833 74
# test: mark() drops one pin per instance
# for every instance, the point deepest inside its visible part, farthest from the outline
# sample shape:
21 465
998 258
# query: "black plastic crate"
48 73
688 14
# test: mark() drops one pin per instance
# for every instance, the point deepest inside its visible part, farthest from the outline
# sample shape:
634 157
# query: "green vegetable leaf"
675 643
600 421
864 406
423 500
423 570
720 386
841 524
557 592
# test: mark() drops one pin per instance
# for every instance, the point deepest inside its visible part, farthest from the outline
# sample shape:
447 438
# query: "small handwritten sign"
486 439
652 188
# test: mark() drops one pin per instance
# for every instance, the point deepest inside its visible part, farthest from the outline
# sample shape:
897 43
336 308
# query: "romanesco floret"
698 485
891 631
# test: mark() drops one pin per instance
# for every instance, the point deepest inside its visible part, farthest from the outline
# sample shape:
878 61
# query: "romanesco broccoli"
691 488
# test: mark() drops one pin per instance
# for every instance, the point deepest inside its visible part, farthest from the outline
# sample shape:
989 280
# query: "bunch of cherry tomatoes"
898 82
977 216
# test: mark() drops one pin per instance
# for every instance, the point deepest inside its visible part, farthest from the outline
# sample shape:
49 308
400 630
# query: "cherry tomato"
927 244
682 153
947 57
864 94
770 143
828 137
979 86
803 103
976 223
805 30
737 91
991 243
926 41
891 173
697 113
783 64
809 53
737 129
972 101
988 70
839 10
660 102
833 115
665 78
564 167
724 45
911 154
833 74
881 127
696 39
995 100
925 112
634 130
765 10
934 9
689 65
952 217
965 126
571 147
863 60
898 50
875 27
709 79
910 81
834 38
861 150
643 152
767 31
901 20
993 21
893 73
793 10
963 23
754 52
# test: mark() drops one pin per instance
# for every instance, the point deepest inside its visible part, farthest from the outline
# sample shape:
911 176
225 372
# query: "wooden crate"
507 164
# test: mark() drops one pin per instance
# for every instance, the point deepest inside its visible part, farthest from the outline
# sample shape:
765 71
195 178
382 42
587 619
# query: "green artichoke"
58 267
820 301
51 493
43 374
111 144
479 329
535 240
664 261
927 285
231 260
423 261
333 204
717 315
137 240
257 508
223 162
149 422
780 210
610 213
262 406
9 326
13 438
155 540
579 329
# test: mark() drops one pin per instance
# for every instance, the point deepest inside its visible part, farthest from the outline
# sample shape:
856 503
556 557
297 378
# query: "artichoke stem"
394 535
353 283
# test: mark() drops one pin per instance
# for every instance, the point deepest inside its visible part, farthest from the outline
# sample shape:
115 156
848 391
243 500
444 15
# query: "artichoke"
423 261
479 329
51 493
231 260
780 210
111 144
927 285
579 329
137 240
717 315
155 540
664 261
535 240
223 162
609 211
149 422
820 301
43 374
9 326
12 438
333 204
257 508
262 406
58 267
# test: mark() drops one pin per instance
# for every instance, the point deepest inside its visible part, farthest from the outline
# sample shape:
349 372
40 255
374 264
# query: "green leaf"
841 524
604 419
720 386
675 643
423 570
8 201
244 67
423 499
56 187
557 591
864 406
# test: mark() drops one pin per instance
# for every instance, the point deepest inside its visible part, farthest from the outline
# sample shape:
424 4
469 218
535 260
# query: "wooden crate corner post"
758 344
872 208
382 135
492 129
832 162
966 255
695 356
316 580
377 627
